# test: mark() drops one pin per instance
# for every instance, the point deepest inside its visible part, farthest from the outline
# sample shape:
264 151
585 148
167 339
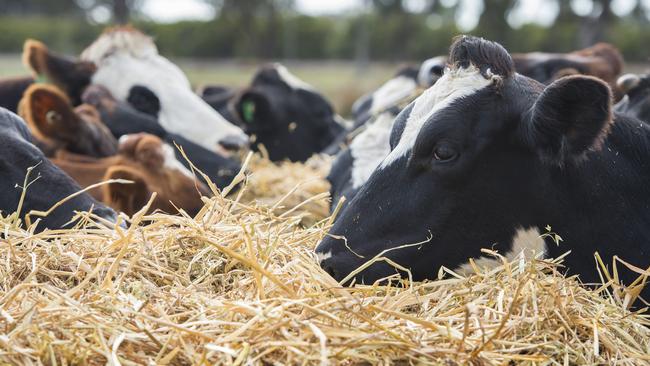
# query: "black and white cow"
287 116
636 96
488 158
17 154
122 119
219 97
126 58
403 85
353 166
374 118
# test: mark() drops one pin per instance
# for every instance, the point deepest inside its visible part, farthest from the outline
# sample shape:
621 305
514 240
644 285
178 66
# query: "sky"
529 11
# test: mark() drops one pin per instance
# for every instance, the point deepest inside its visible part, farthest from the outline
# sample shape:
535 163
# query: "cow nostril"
234 142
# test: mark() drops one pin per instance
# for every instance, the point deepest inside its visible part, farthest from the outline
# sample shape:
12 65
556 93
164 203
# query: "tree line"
272 29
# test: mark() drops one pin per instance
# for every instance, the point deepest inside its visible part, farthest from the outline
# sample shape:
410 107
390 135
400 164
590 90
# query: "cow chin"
342 265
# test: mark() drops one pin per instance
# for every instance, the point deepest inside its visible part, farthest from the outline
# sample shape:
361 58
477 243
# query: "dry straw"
239 284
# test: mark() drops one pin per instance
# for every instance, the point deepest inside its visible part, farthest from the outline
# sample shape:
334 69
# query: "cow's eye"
444 152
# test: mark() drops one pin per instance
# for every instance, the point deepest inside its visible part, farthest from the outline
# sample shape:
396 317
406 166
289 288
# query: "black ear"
571 117
253 108
144 100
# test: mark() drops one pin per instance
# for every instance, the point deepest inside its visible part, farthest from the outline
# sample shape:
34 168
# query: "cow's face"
468 162
286 115
636 99
70 75
127 60
56 123
153 166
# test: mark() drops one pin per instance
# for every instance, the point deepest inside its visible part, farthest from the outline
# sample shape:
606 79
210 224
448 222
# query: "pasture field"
340 81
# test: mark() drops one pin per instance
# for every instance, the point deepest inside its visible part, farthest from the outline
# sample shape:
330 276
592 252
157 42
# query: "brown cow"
57 125
150 164
71 75
601 60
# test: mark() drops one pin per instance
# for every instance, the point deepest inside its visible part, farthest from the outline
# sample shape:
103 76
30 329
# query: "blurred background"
343 47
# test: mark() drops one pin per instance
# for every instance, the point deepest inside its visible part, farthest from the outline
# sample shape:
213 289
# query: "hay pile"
288 188
238 284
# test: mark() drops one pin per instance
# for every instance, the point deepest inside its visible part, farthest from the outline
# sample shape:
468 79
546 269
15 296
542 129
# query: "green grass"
341 82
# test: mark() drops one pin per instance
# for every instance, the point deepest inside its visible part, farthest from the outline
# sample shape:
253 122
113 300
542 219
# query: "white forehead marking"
370 147
121 66
453 85
425 69
527 243
119 41
391 93
292 80
172 163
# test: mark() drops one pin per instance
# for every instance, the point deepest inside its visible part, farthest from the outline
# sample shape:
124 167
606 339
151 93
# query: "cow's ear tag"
41 79
248 111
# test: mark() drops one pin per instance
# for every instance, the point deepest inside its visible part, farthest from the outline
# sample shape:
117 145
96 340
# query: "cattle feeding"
490 158
122 119
285 115
148 162
126 59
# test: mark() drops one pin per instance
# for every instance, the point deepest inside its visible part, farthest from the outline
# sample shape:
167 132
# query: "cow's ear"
128 198
571 116
253 107
49 113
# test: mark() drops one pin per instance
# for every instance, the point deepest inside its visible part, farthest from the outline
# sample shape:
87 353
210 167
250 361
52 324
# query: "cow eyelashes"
444 152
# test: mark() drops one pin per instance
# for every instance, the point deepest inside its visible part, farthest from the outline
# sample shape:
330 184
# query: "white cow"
126 58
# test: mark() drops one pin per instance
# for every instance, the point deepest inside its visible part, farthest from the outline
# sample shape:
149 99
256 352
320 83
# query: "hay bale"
237 284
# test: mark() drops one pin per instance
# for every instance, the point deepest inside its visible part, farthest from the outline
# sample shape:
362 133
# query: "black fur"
497 182
290 123
122 119
17 153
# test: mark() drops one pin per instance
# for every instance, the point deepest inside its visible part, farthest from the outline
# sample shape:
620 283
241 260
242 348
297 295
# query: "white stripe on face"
453 85
528 243
370 147
290 79
391 93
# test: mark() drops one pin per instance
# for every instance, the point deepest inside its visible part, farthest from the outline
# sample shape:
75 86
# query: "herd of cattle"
476 149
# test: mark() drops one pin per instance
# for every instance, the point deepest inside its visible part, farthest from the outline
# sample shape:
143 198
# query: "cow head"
601 60
53 120
153 166
70 75
128 60
286 115
471 165
636 96
403 85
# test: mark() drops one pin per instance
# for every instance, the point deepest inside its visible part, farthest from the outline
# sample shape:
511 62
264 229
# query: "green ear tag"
248 111
41 79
